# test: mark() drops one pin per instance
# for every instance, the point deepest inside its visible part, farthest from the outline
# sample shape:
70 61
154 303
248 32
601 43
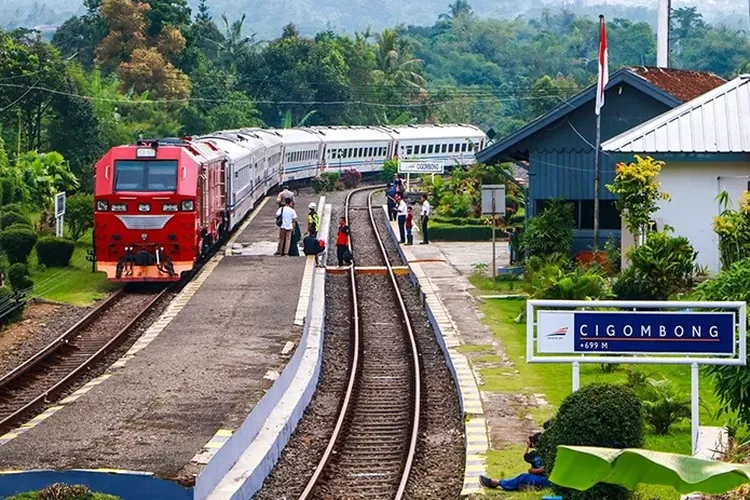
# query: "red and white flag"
603 65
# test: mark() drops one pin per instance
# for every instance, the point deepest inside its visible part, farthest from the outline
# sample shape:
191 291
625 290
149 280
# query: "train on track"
160 205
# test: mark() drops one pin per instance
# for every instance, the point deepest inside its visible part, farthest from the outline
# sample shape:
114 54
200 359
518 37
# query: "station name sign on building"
420 167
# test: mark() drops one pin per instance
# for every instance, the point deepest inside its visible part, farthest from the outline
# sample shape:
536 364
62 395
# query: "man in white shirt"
426 212
285 217
401 207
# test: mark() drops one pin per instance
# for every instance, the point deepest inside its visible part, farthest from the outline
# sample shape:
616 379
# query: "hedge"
55 252
18 275
459 221
17 244
9 218
452 232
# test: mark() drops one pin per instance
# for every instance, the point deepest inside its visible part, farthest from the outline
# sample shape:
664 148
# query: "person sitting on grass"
536 478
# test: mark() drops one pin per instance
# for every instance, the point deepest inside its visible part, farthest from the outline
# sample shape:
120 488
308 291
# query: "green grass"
555 382
75 284
502 285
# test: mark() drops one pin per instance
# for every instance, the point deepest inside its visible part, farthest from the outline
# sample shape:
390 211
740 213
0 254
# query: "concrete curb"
449 339
241 465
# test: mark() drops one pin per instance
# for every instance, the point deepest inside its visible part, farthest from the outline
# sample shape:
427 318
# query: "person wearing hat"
313 220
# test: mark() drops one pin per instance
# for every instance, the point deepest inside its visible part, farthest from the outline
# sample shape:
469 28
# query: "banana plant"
581 467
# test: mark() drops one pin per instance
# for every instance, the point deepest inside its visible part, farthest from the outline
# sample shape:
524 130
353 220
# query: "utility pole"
662 34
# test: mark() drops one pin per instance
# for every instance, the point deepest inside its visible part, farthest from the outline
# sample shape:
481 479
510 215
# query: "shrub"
451 232
18 275
8 188
55 252
13 217
550 231
351 178
663 405
549 278
730 382
327 181
61 491
390 168
17 244
7 301
601 415
662 266
461 221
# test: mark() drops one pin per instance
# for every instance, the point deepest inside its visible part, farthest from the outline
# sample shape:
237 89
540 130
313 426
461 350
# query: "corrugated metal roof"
715 122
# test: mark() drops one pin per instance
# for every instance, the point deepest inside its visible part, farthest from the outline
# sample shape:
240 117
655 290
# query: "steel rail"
352 373
356 363
63 340
415 357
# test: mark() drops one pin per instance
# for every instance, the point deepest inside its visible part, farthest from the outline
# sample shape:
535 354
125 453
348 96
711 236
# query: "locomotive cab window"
139 175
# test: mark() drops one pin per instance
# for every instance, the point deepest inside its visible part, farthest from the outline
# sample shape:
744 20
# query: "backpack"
279 217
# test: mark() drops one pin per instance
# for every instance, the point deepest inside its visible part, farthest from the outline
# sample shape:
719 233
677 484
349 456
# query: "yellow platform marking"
477 441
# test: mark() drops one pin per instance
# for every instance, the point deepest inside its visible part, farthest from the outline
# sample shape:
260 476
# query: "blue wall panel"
128 486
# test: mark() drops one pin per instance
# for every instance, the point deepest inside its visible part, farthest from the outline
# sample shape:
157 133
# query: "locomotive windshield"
139 175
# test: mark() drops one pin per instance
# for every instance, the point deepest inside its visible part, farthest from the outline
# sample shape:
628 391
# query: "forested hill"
265 17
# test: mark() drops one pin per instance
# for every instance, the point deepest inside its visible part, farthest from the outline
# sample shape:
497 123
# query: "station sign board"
420 167
636 332
496 191
60 204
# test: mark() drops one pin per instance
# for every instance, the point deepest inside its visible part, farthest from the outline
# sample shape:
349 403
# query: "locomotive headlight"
169 207
188 205
119 207
144 207
102 205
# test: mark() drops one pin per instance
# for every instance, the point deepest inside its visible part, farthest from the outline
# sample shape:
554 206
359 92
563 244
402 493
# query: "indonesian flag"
603 65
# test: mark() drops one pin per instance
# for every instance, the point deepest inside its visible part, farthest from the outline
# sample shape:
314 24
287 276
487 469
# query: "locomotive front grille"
144 222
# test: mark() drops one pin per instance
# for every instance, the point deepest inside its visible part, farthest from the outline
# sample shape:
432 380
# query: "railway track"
55 367
372 447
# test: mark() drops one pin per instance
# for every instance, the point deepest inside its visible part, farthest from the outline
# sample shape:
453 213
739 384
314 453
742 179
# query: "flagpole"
596 182
599 103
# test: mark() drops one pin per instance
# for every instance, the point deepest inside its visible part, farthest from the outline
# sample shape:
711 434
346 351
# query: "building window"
583 213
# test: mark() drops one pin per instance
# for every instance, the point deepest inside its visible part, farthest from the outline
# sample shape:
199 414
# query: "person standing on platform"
285 219
284 195
296 237
313 220
409 225
426 212
342 241
401 207
390 194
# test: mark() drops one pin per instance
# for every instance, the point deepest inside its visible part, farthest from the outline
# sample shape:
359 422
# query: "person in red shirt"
342 241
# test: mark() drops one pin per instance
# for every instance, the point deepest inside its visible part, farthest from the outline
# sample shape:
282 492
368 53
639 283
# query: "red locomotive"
159 205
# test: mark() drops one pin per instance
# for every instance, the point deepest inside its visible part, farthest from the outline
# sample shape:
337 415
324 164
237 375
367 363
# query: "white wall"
694 187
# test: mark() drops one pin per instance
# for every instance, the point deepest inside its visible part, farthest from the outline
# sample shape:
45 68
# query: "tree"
203 15
79 214
548 93
237 112
43 175
637 189
78 38
142 54
30 66
394 63
235 44
457 9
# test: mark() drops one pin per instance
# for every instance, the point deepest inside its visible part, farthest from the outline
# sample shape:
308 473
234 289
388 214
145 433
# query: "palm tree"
235 43
394 62
457 9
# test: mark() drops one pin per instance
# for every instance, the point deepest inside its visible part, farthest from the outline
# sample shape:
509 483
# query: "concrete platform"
190 381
